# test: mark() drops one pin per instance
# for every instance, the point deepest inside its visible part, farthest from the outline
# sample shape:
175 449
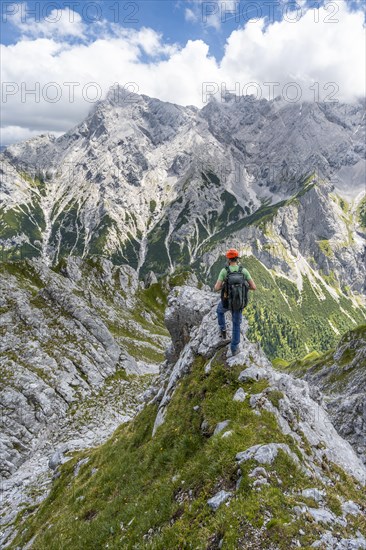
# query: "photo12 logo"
251 11
53 12
292 92
53 92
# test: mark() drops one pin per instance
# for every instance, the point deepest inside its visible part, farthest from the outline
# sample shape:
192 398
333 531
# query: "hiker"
234 296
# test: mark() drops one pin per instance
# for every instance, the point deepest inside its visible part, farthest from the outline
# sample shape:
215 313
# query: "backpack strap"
240 270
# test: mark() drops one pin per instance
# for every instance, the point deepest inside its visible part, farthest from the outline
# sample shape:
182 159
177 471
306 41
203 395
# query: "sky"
58 58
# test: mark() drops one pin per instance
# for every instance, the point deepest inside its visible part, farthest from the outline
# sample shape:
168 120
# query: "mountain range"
167 188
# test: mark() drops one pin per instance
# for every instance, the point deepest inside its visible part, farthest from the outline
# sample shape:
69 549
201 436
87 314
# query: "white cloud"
309 51
306 52
57 23
190 15
13 134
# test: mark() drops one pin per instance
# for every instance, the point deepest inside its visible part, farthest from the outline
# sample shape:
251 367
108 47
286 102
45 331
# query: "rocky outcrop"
300 411
341 376
63 336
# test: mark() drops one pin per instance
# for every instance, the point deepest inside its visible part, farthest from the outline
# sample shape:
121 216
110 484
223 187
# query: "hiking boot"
235 352
223 334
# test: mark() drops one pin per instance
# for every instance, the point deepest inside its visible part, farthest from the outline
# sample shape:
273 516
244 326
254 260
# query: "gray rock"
322 515
344 383
351 508
218 499
181 318
252 374
240 395
150 279
260 482
56 459
265 454
258 472
221 426
327 540
314 493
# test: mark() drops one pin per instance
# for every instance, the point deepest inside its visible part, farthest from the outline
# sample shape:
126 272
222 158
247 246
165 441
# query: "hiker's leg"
237 319
221 316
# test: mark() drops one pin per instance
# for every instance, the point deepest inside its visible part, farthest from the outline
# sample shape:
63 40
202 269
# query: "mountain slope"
79 345
66 336
163 187
139 175
236 461
341 376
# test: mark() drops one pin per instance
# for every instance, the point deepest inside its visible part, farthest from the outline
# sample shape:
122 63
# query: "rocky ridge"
341 376
301 411
251 457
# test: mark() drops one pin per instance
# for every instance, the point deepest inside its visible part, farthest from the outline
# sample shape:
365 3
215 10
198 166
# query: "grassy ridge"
139 492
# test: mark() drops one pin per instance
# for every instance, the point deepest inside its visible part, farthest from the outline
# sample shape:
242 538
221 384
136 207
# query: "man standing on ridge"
233 296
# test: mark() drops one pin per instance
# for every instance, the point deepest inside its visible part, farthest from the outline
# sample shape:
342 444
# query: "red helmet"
232 253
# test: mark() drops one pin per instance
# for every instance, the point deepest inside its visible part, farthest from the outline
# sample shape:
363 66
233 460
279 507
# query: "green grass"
362 213
152 492
325 248
333 374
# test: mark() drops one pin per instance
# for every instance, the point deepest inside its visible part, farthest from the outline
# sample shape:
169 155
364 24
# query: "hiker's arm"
218 286
252 285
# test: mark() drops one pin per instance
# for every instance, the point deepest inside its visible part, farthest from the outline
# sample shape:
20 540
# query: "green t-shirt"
233 268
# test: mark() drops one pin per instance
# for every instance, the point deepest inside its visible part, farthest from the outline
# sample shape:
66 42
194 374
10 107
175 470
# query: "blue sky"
169 17
171 50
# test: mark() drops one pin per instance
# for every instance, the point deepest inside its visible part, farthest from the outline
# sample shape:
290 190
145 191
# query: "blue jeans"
237 319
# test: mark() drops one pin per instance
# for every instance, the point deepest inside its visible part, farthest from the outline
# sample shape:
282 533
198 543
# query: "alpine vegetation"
199 467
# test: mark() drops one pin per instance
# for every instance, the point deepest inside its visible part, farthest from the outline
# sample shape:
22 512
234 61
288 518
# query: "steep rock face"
63 337
300 412
289 140
150 182
341 375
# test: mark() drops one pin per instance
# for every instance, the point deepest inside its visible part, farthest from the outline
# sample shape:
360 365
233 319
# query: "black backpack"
235 291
